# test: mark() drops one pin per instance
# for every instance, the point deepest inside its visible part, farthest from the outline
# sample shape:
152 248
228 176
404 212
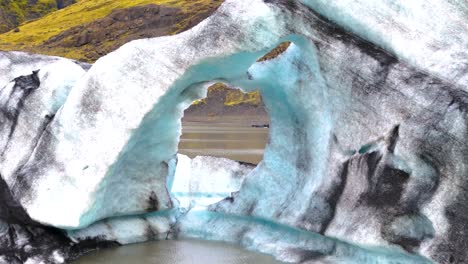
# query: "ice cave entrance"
228 123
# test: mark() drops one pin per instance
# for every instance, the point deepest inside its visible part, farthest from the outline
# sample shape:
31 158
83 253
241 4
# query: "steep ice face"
295 158
28 105
204 181
410 30
14 64
130 229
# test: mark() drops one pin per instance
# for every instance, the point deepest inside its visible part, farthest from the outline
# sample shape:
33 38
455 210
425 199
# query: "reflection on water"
176 252
235 140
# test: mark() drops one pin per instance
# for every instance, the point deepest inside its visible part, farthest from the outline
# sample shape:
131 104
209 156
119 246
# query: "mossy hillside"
231 97
16 12
32 35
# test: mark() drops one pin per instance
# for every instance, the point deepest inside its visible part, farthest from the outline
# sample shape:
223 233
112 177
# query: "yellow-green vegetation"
237 97
199 102
33 34
16 12
231 97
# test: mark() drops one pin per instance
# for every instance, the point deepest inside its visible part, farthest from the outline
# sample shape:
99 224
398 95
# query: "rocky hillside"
15 12
224 101
90 29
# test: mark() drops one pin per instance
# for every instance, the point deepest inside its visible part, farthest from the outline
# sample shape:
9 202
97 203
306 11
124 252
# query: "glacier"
366 160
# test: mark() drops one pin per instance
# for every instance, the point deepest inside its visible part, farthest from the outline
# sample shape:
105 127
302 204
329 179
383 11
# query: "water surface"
233 139
176 252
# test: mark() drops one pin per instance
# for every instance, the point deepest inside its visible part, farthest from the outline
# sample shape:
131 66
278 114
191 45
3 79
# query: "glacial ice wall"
203 181
409 30
28 104
367 138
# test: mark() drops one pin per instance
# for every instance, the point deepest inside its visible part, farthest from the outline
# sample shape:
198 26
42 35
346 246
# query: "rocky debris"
275 52
142 20
64 3
123 25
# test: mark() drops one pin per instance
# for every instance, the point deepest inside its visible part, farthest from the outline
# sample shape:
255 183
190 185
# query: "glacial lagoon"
176 252
233 139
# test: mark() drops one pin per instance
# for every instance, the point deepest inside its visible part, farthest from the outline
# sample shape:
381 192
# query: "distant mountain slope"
90 29
15 12
224 101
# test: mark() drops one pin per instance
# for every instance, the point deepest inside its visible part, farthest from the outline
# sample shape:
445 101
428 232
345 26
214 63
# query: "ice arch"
297 100
296 97
137 146
294 123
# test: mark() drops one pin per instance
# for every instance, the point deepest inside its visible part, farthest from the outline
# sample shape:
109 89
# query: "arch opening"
228 124
298 125
150 155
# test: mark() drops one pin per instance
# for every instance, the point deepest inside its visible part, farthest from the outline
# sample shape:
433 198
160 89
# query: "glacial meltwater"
176 252
231 138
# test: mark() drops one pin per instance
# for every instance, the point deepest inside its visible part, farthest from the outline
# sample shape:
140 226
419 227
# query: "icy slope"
429 34
204 181
29 102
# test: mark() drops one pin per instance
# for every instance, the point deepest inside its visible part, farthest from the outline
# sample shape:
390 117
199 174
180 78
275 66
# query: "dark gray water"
176 252
233 139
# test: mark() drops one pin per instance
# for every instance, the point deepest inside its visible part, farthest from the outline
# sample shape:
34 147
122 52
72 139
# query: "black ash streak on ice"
386 184
24 238
11 106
